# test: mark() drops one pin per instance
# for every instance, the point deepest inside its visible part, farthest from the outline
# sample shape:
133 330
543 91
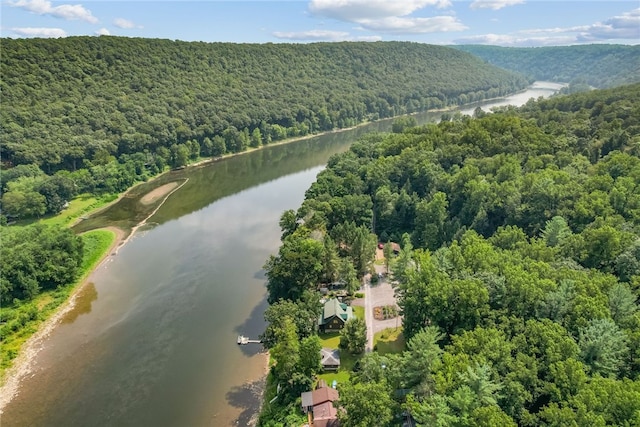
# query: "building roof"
332 308
324 411
307 399
330 357
324 394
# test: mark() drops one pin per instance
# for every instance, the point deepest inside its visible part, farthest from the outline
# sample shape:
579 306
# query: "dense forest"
597 65
100 113
518 275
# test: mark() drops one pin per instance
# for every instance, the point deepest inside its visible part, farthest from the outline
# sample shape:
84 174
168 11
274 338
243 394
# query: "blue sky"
499 22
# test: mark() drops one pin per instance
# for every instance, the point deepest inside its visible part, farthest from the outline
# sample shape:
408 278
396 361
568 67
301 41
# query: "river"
152 339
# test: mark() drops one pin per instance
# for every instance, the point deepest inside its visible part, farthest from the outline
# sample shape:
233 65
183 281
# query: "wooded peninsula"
517 278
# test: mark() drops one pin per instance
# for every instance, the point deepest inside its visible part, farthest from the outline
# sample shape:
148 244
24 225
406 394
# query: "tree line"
519 271
98 113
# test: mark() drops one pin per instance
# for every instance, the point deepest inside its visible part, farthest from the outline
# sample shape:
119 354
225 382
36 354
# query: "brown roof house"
330 359
319 402
334 315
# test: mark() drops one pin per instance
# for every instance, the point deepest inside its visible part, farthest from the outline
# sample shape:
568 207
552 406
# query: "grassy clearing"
341 377
20 321
96 244
78 207
390 340
358 311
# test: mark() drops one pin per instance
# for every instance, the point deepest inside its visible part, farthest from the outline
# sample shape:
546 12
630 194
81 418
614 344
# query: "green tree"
387 252
19 204
478 379
364 405
353 336
302 315
622 304
297 267
556 231
286 351
288 223
310 357
433 411
256 138
179 155
603 347
347 275
421 359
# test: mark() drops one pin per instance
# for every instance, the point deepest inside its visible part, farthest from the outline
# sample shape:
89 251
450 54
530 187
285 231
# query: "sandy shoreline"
23 365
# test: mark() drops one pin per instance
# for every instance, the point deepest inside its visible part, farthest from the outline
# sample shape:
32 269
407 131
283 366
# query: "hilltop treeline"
519 272
71 102
99 114
598 65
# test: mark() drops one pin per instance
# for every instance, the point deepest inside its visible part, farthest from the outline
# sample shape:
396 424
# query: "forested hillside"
96 114
599 65
70 102
518 274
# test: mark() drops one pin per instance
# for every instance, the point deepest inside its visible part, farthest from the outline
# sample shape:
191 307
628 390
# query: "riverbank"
23 364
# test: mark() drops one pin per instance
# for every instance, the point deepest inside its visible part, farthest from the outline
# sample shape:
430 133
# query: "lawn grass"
330 339
341 376
391 340
358 311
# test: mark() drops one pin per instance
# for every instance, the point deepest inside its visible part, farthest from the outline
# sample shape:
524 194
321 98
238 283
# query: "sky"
496 22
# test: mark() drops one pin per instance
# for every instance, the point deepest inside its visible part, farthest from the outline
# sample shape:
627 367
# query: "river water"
152 339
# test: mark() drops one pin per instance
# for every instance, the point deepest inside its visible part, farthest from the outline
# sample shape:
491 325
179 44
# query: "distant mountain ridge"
599 65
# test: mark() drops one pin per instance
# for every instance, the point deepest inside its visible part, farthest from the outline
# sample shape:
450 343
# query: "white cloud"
367 38
324 35
40 32
390 16
64 11
516 41
494 4
414 25
103 32
623 27
356 10
125 23
312 35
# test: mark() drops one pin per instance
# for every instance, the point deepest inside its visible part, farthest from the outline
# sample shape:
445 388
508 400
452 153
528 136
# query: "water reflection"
82 305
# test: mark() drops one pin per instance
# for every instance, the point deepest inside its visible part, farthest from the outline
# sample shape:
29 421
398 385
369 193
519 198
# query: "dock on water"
242 340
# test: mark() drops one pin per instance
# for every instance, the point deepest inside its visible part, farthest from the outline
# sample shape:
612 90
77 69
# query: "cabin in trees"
330 359
319 402
334 315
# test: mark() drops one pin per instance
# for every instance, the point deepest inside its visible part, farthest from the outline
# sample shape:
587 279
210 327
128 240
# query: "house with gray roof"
330 359
334 315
